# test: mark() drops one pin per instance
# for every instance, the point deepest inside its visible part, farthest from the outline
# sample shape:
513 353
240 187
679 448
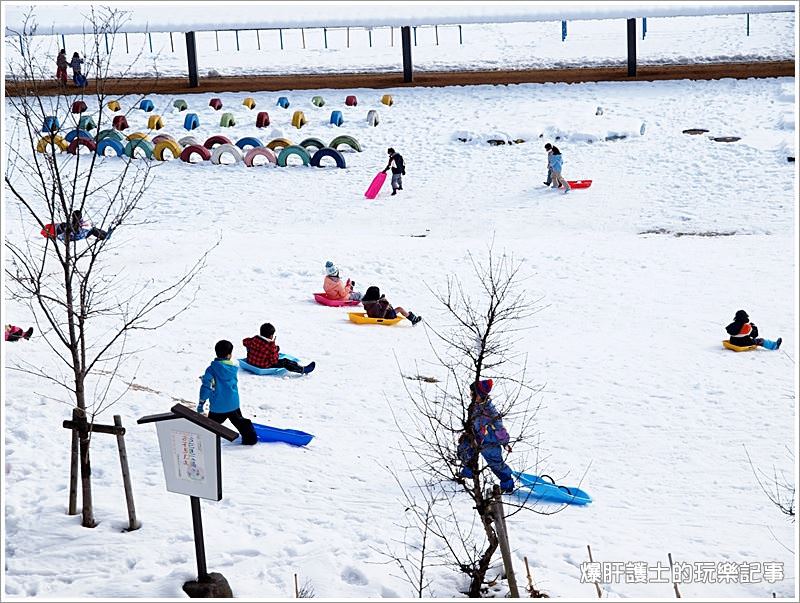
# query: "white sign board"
191 458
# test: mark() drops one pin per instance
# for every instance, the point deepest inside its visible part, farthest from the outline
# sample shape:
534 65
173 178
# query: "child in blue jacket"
220 385
554 162
488 434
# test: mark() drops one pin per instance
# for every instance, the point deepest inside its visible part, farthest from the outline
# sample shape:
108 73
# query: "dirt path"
175 85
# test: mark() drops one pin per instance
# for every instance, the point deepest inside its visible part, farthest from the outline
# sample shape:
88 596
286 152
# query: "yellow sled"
738 348
362 319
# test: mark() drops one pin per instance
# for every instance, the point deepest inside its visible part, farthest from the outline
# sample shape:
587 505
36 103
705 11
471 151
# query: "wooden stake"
133 524
530 580
73 470
303 35
296 588
674 584
596 585
502 537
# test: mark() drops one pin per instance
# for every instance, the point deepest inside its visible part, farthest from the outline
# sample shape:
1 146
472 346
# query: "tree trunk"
479 576
86 477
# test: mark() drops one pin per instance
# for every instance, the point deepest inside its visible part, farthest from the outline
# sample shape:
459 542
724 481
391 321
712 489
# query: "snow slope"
638 389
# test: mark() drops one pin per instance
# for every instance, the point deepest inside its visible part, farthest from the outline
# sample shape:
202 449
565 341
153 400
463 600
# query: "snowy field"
640 401
474 47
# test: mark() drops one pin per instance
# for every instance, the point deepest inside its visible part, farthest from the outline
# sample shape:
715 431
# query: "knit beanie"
482 388
331 269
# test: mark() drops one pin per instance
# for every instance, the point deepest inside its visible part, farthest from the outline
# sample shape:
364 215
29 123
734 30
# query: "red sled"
579 183
375 186
49 231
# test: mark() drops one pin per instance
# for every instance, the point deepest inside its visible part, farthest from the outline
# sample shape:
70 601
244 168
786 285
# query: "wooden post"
436 31
191 56
631 47
171 42
405 34
596 585
236 31
674 584
280 35
199 543
303 36
296 588
127 49
258 39
530 579
502 537
216 37
73 469
391 36
126 478
325 36
348 37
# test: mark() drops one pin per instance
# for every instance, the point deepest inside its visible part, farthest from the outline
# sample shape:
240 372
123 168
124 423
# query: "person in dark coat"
744 333
377 306
485 431
61 68
264 352
76 63
398 169
79 228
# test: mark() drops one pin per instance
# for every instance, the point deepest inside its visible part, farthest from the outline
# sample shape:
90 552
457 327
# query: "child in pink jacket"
335 288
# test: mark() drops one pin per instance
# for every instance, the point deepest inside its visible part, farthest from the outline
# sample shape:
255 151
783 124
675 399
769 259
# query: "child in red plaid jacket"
263 352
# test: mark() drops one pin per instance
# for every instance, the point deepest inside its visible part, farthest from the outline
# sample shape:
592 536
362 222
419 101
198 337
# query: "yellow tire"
137 136
113 105
163 145
279 143
44 143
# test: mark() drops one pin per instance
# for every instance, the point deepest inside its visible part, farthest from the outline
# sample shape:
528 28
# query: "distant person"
220 386
61 68
377 306
555 161
14 333
80 229
263 352
335 288
398 170
744 333
549 148
76 63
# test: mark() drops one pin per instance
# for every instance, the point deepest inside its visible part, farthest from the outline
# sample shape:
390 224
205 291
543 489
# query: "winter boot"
29 332
777 343
394 192
414 318
309 367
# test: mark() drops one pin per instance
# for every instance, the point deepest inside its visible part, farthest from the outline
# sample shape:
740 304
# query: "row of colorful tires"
245 150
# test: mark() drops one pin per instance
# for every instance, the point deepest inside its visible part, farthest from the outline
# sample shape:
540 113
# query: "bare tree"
778 488
84 307
479 343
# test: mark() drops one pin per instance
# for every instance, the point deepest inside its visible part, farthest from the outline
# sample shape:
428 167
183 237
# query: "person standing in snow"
76 63
61 68
555 161
398 170
220 386
485 431
549 148
335 288
744 333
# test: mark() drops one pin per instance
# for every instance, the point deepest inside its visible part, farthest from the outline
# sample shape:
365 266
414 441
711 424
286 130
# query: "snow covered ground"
497 46
638 389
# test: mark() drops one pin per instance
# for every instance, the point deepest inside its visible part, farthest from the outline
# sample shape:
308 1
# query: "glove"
384 171
201 407
508 448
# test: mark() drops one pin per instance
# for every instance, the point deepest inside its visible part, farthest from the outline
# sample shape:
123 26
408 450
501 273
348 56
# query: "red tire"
215 140
186 154
90 144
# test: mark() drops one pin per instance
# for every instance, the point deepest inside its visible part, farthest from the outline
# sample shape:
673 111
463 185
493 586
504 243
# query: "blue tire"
191 121
336 118
77 132
249 141
146 105
283 102
328 152
110 142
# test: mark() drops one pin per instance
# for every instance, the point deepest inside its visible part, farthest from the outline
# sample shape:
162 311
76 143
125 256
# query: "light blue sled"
534 488
294 437
278 372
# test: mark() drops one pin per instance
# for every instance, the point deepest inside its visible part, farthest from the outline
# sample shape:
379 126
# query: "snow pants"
768 344
493 455
397 181
242 425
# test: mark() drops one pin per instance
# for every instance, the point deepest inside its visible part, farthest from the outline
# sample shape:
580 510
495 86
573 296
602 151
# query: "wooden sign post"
192 458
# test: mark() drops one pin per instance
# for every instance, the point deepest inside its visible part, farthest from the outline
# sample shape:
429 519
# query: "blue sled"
266 371
294 437
534 488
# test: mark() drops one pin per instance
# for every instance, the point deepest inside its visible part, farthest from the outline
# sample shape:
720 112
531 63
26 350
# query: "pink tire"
260 152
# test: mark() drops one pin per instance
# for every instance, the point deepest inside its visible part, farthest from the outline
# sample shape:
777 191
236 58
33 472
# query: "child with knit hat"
335 288
377 306
15 333
485 431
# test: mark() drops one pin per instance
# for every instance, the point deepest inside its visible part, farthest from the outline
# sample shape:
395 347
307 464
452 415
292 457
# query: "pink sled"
326 301
375 186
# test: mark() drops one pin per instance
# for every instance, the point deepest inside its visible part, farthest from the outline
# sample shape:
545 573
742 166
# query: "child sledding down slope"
377 306
744 333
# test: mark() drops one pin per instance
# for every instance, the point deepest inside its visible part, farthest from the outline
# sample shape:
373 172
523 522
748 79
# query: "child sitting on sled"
377 306
744 333
79 228
262 352
14 333
335 288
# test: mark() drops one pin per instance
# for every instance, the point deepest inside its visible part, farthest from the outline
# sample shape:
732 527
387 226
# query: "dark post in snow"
191 55
133 523
632 47
192 460
405 35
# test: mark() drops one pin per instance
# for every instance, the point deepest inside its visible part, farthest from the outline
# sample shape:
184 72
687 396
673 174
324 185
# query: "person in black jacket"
398 170
744 333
